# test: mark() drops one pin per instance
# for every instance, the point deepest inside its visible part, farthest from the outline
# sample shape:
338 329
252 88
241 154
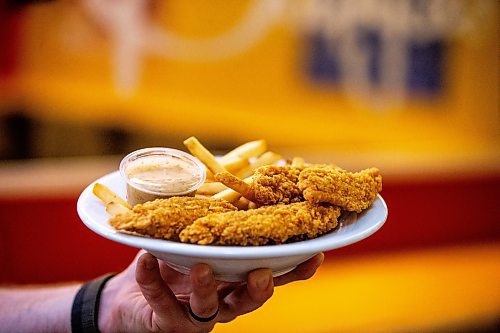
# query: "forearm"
37 309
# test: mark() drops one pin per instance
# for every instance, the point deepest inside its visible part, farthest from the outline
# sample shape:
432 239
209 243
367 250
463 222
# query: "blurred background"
408 86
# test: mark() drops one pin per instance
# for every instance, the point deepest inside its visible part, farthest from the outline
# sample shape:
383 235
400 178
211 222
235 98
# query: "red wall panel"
43 240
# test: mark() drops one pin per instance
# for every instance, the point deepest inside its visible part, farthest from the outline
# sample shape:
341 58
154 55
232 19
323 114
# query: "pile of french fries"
228 177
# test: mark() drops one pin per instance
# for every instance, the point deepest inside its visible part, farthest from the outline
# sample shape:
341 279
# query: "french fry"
115 208
231 164
211 188
231 195
264 159
210 175
247 150
206 157
236 184
297 162
252 205
242 203
107 196
234 163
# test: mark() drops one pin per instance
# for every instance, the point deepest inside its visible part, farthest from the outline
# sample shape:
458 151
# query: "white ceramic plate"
230 263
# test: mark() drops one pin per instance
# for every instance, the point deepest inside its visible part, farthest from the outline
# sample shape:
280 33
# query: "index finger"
158 295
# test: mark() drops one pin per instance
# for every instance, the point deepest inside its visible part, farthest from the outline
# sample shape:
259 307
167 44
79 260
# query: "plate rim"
322 243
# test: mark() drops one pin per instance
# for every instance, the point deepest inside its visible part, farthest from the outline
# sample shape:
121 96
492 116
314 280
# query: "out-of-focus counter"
452 289
69 176
66 177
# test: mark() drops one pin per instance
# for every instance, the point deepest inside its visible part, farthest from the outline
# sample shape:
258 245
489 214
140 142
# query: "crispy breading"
275 224
276 184
351 191
165 218
319 183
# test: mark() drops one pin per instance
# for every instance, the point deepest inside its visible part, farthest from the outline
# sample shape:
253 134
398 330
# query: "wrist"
86 306
108 316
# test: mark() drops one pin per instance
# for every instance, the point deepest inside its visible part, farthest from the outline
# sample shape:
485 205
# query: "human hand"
149 296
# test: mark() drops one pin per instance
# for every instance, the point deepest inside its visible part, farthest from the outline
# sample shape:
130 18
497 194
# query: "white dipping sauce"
157 174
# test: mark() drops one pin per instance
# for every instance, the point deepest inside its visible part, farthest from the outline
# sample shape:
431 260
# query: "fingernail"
263 282
321 259
205 278
149 264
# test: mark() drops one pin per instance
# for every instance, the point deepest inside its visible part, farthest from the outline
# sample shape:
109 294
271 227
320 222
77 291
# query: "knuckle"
262 295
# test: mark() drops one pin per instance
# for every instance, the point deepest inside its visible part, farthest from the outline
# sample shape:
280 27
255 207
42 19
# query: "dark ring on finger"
203 319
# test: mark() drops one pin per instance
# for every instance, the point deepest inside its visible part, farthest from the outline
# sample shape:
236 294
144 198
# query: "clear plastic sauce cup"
154 173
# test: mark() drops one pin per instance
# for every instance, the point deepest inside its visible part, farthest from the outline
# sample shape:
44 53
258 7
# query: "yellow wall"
263 91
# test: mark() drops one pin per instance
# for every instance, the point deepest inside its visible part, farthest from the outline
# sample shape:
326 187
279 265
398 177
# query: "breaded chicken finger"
274 184
275 224
320 183
165 218
353 191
